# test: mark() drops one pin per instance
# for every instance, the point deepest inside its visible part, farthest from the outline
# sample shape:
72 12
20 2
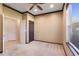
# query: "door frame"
17 27
29 28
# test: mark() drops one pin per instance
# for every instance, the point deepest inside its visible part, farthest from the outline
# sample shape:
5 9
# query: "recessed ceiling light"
35 10
51 6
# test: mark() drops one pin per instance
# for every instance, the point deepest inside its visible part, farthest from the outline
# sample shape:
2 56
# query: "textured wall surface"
49 27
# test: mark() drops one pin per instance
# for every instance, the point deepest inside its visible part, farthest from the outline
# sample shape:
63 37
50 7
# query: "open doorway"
10 31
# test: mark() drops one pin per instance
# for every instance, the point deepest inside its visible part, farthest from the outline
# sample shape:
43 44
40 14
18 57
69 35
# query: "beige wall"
49 27
1 27
9 13
23 28
30 17
1 9
64 25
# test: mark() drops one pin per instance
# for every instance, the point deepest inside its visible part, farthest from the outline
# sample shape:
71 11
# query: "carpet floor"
35 48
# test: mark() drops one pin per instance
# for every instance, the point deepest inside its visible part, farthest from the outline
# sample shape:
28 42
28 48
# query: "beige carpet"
35 48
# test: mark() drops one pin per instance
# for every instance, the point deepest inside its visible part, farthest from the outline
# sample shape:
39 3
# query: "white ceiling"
23 7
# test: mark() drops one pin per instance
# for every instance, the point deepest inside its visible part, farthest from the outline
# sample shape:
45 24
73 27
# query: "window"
74 27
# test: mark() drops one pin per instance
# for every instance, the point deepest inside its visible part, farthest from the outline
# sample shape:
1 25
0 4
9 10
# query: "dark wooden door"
31 31
1 33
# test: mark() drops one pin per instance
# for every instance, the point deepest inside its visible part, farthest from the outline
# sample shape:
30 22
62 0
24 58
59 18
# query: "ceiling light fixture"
35 10
51 6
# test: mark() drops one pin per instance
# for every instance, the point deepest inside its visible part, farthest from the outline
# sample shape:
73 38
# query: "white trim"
74 52
74 47
27 31
3 34
68 23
